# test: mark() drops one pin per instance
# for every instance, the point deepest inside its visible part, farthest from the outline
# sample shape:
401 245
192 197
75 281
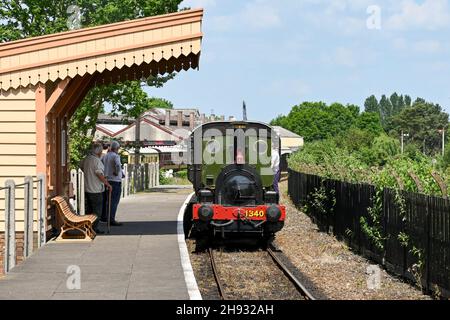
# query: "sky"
277 54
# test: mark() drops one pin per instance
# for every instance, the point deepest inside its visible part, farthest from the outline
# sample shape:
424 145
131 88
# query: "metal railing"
10 188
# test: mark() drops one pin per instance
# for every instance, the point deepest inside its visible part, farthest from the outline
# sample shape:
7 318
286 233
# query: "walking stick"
109 211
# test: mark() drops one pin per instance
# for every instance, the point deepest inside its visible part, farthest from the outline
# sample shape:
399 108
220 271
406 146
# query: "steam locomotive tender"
233 180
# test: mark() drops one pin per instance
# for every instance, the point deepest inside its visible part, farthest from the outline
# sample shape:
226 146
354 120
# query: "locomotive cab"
232 173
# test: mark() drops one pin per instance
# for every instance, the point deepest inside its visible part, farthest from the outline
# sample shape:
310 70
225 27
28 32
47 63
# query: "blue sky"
275 54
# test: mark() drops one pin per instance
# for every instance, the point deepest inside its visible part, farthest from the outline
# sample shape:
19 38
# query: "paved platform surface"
138 261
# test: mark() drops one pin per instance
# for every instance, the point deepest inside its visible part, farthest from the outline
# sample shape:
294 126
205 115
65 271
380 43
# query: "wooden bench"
72 221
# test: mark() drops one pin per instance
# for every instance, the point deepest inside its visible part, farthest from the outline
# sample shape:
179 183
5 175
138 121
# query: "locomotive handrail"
218 225
257 225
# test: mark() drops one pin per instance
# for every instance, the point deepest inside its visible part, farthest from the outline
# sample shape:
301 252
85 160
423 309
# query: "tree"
408 101
29 18
317 120
383 148
160 103
397 104
385 110
422 121
371 105
279 121
370 122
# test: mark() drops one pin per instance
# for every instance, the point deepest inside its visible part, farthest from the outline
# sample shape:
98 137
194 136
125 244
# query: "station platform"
140 260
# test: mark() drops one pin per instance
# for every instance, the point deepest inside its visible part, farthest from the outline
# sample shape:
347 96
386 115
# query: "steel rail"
216 275
300 287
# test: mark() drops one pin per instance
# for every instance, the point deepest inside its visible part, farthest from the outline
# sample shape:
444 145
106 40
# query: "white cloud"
344 57
260 16
349 57
400 43
420 46
339 6
257 15
430 15
292 87
343 17
427 46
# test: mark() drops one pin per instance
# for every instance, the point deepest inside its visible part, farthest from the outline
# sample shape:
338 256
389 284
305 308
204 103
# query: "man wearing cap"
94 183
114 175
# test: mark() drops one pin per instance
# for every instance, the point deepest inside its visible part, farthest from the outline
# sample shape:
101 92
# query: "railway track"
300 288
292 278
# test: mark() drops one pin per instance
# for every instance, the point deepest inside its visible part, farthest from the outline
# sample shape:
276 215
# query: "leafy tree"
422 122
446 159
317 120
371 105
385 109
408 101
383 149
160 103
29 18
279 121
370 122
354 139
397 103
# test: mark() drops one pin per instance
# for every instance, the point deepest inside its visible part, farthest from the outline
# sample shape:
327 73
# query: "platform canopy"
43 80
126 50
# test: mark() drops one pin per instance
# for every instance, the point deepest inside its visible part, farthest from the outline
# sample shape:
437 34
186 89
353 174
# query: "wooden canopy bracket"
56 95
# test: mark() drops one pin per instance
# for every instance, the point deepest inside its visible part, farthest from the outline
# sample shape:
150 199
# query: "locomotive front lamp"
205 213
273 213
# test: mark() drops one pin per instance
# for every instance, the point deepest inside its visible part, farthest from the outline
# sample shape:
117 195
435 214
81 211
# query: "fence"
33 188
413 229
139 178
136 179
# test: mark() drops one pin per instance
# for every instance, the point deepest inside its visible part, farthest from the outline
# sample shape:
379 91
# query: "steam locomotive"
230 167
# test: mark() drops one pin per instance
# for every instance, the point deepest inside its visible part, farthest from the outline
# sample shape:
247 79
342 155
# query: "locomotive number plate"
255 213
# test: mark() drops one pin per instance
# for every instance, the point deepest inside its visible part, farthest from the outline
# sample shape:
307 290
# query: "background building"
290 143
162 133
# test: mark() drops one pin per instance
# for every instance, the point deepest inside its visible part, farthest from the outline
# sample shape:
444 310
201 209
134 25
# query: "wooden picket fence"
425 220
137 179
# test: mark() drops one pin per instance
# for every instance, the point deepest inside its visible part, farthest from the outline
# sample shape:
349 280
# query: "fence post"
10 225
124 181
152 175
428 243
42 209
81 206
143 175
74 181
129 177
28 217
157 175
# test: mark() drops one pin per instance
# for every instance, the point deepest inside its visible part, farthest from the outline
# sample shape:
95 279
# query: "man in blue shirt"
114 175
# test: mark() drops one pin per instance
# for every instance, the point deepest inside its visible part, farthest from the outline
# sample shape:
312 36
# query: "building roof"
111 129
159 149
174 39
114 130
284 133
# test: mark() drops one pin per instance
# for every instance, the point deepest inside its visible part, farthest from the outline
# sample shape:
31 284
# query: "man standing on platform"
94 183
114 175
